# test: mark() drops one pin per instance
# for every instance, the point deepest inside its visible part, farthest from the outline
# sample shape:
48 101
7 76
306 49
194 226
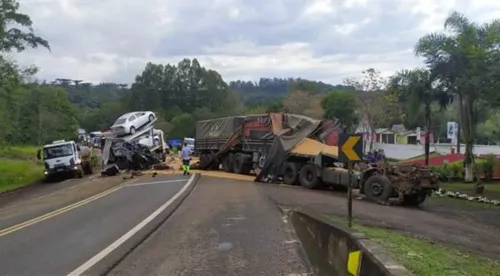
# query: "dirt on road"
470 229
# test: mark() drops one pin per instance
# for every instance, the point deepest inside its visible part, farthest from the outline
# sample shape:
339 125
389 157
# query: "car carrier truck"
303 151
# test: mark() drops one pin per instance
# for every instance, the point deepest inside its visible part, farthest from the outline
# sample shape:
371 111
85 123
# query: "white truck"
156 142
190 143
61 157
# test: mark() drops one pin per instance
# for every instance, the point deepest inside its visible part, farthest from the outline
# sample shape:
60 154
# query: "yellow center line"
63 210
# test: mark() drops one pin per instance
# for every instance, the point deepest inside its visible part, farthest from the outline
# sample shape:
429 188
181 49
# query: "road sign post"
350 152
349 196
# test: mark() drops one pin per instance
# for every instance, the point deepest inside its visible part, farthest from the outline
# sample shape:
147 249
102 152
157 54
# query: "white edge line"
157 182
106 251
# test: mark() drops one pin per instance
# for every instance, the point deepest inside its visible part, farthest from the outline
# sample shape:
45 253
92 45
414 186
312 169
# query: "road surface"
41 237
224 227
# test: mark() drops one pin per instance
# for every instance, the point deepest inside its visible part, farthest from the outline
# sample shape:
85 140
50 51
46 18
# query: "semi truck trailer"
302 151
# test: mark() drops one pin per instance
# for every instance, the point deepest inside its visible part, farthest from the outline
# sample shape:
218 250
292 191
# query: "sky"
324 40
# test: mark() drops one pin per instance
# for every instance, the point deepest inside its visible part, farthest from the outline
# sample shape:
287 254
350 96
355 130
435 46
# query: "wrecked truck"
299 150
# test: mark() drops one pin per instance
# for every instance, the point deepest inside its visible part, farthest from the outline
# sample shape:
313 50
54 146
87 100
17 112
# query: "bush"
488 166
94 160
456 170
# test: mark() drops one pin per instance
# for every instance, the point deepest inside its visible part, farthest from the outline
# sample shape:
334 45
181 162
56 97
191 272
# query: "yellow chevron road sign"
350 147
354 263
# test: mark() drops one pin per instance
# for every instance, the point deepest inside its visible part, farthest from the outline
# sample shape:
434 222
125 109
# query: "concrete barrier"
333 249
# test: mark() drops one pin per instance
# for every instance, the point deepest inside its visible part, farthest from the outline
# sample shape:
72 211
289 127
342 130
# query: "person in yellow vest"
186 159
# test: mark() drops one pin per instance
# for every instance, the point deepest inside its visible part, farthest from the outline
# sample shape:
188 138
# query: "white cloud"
328 40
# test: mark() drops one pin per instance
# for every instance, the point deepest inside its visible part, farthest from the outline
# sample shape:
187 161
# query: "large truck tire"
378 188
87 168
79 174
309 177
247 164
227 163
238 163
215 164
414 200
291 173
204 158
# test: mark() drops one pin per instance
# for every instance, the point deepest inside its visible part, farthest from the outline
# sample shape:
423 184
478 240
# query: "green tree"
464 58
183 126
343 106
378 107
13 25
421 88
490 128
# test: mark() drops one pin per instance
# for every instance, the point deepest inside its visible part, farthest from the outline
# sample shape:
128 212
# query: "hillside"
254 93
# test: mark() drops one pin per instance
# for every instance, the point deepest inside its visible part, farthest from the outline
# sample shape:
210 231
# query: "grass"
422 157
462 203
18 173
19 152
491 190
424 258
19 167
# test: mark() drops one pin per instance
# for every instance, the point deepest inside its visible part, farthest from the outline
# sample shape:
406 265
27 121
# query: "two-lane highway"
224 227
74 238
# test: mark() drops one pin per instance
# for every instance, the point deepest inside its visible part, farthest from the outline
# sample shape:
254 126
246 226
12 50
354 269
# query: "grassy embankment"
424 258
19 167
491 191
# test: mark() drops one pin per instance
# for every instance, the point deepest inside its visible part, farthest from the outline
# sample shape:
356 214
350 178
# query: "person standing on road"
186 159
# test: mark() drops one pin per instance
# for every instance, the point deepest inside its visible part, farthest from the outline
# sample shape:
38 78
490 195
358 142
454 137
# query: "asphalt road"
224 227
63 240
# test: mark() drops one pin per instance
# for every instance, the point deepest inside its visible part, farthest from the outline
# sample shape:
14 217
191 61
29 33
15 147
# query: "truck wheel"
378 188
238 163
227 163
215 163
247 168
87 168
204 158
79 174
291 173
414 199
309 177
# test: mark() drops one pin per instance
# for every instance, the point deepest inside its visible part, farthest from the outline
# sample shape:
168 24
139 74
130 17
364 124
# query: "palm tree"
421 86
462 59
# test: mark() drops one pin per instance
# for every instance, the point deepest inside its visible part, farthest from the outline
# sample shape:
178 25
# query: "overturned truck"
302 151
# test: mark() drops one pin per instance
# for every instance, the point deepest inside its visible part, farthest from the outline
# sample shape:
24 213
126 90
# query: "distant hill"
86 95
267 89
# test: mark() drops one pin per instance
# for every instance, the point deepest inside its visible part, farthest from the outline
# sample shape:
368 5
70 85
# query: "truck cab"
61 157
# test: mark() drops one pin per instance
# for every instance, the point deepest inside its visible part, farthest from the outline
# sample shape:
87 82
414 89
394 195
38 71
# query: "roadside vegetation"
19 167
491 189
424 258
